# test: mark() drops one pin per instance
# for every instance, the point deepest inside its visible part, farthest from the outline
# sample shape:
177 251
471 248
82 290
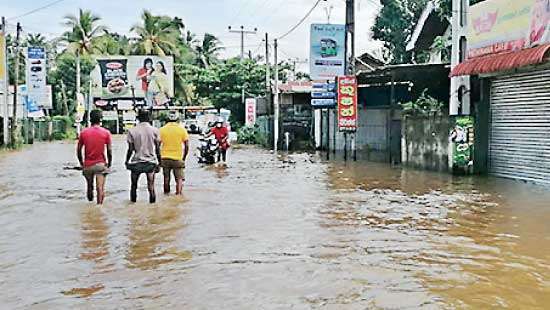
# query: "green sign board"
462 137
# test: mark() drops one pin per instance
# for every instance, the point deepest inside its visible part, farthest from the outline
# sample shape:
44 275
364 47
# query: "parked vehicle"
207 150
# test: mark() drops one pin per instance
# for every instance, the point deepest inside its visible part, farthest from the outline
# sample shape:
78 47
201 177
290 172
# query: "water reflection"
152 232
468 242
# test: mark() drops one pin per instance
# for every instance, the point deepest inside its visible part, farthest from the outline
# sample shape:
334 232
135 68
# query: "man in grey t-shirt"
143 154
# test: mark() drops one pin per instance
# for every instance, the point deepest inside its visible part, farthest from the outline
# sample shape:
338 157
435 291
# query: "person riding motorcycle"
221 133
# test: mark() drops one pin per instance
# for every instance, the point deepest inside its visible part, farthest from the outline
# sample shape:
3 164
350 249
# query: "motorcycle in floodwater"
207 150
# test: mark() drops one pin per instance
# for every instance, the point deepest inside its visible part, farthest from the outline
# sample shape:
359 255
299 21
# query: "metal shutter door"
519 138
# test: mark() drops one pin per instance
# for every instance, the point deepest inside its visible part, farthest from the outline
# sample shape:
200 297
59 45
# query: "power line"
37 9
301 21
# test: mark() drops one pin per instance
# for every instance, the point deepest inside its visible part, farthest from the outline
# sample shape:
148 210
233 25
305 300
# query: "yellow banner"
2 56
504 25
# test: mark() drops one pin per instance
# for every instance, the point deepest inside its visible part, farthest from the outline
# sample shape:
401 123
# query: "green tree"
158 35
207 50
395 24
37 40
81 38
62 78
113 44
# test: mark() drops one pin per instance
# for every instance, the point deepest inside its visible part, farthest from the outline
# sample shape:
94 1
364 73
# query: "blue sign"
36 53
324 87
323 95
323 103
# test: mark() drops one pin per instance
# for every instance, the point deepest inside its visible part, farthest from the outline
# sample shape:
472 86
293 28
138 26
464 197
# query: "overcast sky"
213 16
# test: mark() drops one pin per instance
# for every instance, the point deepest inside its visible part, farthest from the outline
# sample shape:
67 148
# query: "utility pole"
242 31
267 72
350 36
276 100
15 86
5 87
350 62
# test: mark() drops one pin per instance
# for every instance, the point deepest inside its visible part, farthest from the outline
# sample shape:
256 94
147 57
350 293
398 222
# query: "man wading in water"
94 141
174 149
144 145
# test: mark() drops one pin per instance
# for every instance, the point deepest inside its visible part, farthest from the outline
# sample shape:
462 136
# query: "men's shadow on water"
152 234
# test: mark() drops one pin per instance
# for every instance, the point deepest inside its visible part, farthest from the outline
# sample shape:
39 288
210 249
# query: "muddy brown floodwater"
270 233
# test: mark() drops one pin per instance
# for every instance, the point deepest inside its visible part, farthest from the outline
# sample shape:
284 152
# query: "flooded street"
267 233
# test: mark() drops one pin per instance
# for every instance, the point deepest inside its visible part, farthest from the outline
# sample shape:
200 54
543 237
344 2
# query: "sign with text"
496 26
327 51
147 77
323 95
250 106
36 77
347 103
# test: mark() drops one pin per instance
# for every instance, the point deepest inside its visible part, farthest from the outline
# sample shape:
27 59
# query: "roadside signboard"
250 105
323 95
505 25
347 103
36 76
462 137
142 77
327 51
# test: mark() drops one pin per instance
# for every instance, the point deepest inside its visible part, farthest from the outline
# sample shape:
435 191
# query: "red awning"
503 61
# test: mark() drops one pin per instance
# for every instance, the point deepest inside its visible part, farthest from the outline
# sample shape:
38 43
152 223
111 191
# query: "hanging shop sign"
496 26
462 137
250 117
327 51
347 103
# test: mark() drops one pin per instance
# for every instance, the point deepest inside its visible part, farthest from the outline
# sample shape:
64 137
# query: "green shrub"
424 105
251 135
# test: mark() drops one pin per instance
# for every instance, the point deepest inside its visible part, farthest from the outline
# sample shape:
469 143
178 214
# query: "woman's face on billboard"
158 67
148 65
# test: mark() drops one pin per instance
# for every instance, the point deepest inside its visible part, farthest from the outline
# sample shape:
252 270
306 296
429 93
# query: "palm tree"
36 40
83 30
113 44
207 50
158 35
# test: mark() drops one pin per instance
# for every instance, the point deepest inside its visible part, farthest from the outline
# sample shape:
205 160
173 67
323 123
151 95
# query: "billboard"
347 103
505 25
250 104
327 51
143 77
37 91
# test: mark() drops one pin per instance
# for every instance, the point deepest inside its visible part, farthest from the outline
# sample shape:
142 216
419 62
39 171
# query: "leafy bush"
63 128
424 105
251 135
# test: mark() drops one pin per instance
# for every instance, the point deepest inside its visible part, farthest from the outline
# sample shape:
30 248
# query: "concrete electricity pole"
267 72
15 86
242 31
350 62
350 37
5 88
276 100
